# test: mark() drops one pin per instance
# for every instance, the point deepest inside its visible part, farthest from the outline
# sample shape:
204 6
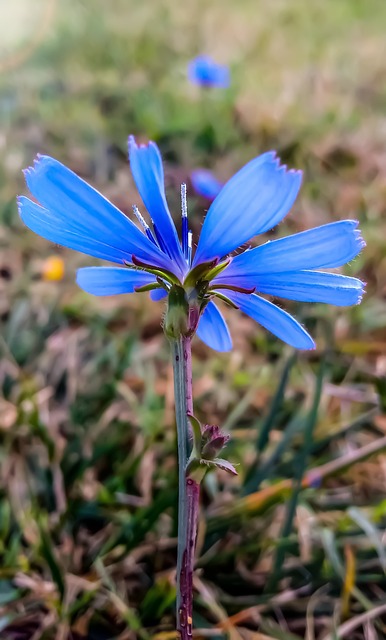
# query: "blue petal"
148 173
325 247
314 286
158 294
308 286
204 71
110 281
42 222
205 183
213 330
253 201
279 322
75 215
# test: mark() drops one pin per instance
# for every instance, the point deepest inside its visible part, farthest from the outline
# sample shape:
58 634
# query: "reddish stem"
185 612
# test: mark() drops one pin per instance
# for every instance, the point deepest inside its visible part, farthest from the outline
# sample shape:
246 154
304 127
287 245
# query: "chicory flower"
73 214
205 72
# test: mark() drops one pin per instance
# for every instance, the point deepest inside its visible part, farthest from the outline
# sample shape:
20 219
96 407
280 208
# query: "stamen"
184 229
190 245
144 224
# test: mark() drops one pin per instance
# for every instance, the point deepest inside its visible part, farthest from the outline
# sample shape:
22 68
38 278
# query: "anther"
184 228
144 224
184 206
140 217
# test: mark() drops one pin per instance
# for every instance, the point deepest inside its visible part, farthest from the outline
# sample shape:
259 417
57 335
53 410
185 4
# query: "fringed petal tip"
359 239
361 292
352 292
25 205
28 172
19 204
297 172
40 168
133 145
282 168
131 140
39 160
20 201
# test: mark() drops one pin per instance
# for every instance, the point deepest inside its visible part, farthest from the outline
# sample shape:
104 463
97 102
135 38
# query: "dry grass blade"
351 625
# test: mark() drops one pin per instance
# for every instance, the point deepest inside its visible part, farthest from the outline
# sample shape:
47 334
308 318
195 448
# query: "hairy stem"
188 489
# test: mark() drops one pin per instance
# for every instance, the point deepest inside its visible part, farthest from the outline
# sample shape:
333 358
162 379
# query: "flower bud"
213 441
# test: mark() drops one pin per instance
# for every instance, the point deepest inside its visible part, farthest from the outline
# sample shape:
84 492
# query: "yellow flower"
53 268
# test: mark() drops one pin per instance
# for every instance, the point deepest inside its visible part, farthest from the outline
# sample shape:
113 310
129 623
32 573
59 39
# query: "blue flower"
73 214
204 71
205 183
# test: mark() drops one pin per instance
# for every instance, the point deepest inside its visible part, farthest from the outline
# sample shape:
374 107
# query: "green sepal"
199 273
232 287
225 299
147 287
162 273
217 269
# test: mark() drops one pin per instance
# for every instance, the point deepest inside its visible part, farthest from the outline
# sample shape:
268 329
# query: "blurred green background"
294 547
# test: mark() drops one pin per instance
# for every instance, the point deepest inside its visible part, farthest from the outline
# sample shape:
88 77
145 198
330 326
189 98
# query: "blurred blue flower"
205 183
204 71
73 214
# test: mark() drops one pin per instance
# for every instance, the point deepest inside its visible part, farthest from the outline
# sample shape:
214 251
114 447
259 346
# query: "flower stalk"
188 488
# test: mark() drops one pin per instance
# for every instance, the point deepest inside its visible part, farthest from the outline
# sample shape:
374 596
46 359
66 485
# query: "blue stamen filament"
160 240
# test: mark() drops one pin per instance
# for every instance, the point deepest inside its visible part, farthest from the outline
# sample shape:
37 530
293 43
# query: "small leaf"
225 465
